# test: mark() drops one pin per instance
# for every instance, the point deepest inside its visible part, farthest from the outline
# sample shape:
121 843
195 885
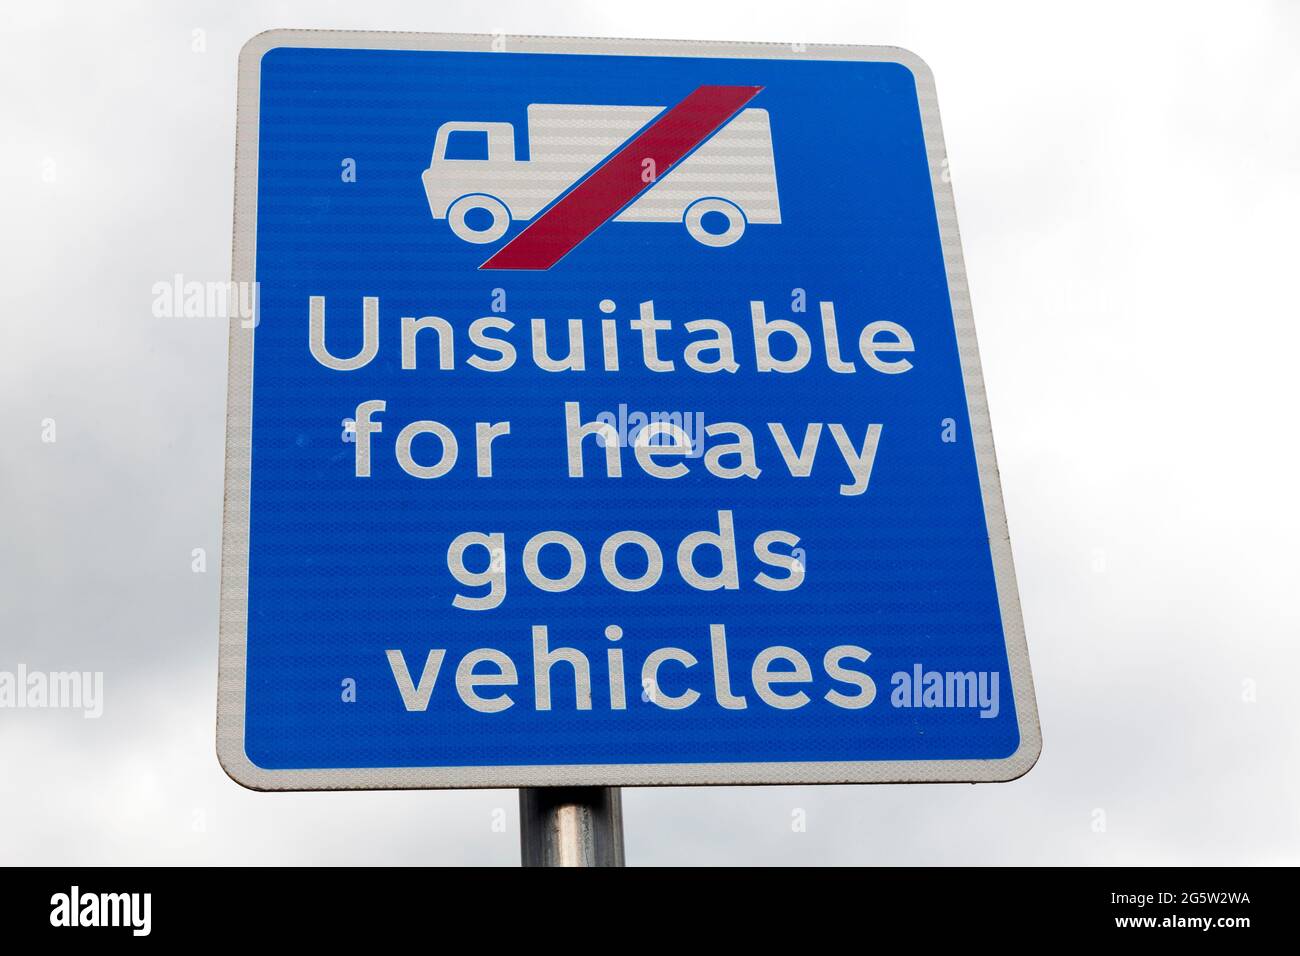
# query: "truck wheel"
694 219
462 207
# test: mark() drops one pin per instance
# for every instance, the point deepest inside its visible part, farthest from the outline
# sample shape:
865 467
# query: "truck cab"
468 158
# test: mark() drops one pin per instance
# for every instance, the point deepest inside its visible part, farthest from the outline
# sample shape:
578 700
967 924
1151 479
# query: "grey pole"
571 826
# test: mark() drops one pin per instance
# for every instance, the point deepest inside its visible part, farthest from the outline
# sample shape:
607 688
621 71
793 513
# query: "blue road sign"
611 416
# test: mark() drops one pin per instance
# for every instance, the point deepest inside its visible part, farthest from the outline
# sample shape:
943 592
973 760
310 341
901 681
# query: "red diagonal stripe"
617 181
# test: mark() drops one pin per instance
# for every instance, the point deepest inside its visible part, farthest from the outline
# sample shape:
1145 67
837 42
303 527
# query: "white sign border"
234 554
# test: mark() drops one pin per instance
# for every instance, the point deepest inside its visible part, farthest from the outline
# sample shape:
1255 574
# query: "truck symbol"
731 176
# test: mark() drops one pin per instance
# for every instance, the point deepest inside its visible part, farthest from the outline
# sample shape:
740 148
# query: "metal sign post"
571 826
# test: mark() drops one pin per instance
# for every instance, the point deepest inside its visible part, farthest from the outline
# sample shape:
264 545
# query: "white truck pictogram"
732 174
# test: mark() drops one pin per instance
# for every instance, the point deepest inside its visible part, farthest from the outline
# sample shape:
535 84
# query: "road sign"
612 416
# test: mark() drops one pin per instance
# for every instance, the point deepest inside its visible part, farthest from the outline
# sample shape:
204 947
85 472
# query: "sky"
1127 180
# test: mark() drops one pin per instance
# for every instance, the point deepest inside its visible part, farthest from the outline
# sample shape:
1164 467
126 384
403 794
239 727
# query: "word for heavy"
732 455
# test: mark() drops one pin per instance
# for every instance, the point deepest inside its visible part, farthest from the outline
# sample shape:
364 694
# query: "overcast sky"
1127 180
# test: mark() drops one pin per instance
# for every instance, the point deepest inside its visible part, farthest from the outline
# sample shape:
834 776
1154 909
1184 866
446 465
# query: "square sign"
612 416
